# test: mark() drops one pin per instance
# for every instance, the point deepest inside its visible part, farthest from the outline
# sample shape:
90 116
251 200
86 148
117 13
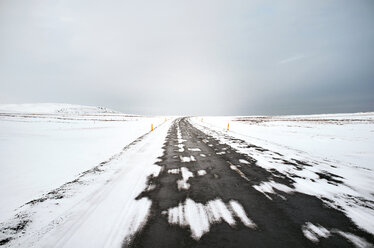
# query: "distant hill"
54 108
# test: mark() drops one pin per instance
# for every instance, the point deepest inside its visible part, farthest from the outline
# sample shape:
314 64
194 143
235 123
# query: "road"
200 192
201 182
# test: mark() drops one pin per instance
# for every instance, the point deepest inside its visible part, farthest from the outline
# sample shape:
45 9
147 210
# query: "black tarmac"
279 220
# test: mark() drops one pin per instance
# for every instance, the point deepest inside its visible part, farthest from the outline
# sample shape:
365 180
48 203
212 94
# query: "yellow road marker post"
151 126
228 126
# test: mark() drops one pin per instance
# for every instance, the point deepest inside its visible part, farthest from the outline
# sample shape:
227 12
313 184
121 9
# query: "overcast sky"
190 57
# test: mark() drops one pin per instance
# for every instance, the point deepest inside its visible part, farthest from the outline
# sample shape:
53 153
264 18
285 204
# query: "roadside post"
228 126
151 126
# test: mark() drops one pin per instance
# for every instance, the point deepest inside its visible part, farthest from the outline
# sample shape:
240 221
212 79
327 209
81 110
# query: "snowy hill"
53 108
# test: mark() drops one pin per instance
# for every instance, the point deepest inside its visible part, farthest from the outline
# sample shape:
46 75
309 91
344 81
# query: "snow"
53 108
179 135
173 171
336 148
181 147
201 172
199 217
187 159
41 152
194 149
315 232
240 212
180 140
182 183
72 162
345 138
243 161
268 187
90 213
237 170
357 241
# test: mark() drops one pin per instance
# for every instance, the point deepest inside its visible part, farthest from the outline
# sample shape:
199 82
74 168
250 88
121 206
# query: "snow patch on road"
181 147
201 172
237 170
202 155
173 171
180 140
139 213
194 149
357 241
182 183
240 212
187 159
243 161
315 232
268 188
179 135
199 217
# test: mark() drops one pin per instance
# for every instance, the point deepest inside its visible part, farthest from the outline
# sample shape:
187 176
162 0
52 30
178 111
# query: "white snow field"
75 176
43 146
100 208
340 148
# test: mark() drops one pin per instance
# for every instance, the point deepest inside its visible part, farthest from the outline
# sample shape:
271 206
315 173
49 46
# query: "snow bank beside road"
346 138
41 152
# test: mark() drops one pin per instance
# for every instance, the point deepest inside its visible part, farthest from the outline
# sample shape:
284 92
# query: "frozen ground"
42 146
76 176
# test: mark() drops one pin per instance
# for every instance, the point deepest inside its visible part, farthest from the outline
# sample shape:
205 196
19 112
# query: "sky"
195 57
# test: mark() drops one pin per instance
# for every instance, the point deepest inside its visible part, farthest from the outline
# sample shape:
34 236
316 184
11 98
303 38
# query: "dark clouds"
190 57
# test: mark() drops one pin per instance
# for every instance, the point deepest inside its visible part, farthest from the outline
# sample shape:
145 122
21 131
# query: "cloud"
292 59
188 57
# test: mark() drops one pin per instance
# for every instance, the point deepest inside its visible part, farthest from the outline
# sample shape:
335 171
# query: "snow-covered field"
347 138
72 176
97 209
43 146
340 148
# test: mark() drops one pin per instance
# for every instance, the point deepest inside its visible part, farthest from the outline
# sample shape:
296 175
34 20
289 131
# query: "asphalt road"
278 219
